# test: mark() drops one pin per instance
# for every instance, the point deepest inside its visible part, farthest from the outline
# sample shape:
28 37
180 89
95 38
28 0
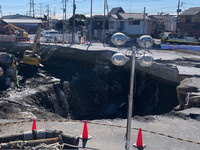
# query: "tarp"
174 47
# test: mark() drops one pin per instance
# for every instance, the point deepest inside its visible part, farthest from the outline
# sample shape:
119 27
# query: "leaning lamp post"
144 59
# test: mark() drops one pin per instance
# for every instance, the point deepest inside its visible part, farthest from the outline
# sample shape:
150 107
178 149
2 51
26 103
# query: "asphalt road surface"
159 132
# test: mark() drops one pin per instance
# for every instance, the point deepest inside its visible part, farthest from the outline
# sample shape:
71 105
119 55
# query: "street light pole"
120 59
91 24
130 102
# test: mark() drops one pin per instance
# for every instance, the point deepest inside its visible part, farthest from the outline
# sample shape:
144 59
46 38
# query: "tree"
80 20
59 25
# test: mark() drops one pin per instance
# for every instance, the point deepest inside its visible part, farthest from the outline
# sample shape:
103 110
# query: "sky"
10 7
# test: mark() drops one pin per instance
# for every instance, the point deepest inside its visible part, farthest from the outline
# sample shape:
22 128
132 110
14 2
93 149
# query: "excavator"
30 58
21 34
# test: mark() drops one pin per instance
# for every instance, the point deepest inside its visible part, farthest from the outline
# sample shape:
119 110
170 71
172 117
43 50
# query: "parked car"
50 35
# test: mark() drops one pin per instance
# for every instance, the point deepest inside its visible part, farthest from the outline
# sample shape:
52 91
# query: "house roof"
133 16
161 17
114 16
23 20
191 11
98 17
17 16
116 10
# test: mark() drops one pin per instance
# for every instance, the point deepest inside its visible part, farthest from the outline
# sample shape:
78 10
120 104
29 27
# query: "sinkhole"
100 91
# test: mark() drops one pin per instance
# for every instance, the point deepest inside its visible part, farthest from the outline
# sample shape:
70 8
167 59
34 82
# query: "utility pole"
47 14
30 8
178 11
54 12
64 18
1 15
104 20
33 8
73 34
40 9
144 22
91 24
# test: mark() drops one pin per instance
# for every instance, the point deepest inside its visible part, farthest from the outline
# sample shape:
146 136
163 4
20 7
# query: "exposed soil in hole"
81 90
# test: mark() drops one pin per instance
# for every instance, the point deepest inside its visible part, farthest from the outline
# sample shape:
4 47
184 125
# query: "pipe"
21 144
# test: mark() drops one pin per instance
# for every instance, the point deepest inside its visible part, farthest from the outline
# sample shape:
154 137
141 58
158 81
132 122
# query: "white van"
50 35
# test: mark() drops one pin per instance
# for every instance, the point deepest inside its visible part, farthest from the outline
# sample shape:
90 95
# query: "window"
111 25
135 22
188 19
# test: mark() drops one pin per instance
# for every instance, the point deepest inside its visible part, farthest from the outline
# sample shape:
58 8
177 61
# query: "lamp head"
145 61
145 41
119 59
119 39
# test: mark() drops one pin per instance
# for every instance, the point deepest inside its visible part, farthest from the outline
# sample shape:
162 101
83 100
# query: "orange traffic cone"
85 131
139 143
85 137
34 125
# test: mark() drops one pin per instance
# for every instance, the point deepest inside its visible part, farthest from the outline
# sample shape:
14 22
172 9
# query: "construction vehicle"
30 58
179 39
21 34
7 70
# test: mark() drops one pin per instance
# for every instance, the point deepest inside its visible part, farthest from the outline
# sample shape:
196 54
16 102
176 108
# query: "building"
168 20
30 24
189 21
52 22
98 21
157 27
132 24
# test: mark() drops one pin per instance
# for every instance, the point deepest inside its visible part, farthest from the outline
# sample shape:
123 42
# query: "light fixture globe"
145 41
119 59
119 39
145 61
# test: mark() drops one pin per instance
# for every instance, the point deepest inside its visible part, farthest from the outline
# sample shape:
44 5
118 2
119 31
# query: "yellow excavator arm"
36 40
17 30
30 58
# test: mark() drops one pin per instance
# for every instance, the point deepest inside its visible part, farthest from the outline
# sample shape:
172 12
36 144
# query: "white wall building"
130 23
169 22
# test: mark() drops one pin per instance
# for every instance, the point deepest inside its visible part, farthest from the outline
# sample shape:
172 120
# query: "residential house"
132 24
157 27
98 21
30 24
189 21
168 20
